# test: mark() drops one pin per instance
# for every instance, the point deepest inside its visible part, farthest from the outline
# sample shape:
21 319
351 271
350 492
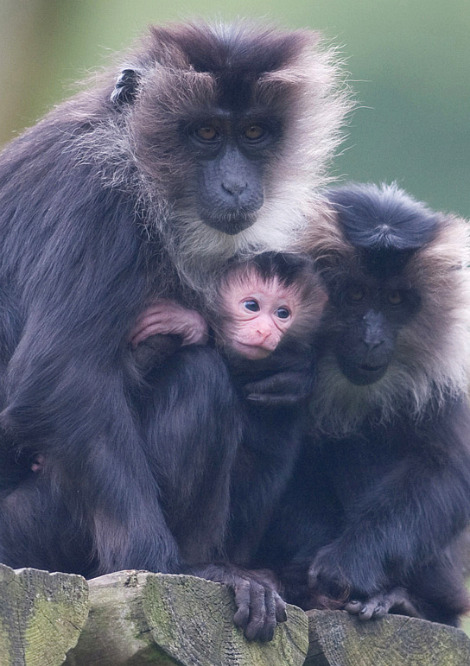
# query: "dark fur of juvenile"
382 489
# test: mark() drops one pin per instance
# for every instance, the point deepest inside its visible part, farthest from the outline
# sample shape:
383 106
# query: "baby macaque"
269 311
258 302
263 324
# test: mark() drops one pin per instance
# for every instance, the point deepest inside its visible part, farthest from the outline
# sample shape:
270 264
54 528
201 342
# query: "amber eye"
282 313
207 133
395 297
251 304
254 132
355 294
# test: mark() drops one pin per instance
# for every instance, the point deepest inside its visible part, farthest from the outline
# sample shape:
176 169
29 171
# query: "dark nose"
374 334
234 186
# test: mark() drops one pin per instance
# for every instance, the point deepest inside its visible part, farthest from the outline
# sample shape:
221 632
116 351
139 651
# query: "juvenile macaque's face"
259 313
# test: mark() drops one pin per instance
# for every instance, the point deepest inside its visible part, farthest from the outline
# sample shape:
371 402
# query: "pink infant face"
260 313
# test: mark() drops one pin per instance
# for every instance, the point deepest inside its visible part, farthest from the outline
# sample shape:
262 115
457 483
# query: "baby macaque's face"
258 313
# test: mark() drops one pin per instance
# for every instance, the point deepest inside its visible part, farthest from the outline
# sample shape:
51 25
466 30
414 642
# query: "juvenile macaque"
382 491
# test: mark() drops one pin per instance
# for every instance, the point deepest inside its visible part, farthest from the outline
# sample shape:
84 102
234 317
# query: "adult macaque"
382 490
207 143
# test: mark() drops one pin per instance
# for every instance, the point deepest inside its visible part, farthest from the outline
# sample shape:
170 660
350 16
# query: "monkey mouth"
368 374
230 224
362 374
366 367
252 352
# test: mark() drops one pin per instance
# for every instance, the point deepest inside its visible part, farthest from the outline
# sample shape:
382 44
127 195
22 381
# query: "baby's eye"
251 304
283 313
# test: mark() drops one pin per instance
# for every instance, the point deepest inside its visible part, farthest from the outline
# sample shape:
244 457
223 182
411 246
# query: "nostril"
373 344
234 186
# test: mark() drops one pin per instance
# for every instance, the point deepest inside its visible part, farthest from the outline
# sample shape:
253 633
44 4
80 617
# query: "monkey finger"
258 608
266 632
273 400
262 620
398 600
282 388
354 606
276 383
149 315
281 608
242 602
144 323
194 330
372 609
169 318
147 332
381 604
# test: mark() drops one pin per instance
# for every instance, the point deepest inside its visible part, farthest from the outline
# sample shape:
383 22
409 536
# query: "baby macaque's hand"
392 601
166 317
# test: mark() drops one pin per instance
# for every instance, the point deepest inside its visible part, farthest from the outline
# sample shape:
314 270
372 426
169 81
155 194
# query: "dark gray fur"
382 489
105 204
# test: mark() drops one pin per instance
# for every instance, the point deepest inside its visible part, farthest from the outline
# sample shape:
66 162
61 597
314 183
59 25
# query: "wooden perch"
138 618
143 618
41 616
337 639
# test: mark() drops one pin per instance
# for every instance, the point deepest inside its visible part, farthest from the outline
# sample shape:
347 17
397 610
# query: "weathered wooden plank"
337 639
139 618
41 616
144 618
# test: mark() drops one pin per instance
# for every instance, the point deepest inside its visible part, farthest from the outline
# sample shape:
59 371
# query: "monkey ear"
126 86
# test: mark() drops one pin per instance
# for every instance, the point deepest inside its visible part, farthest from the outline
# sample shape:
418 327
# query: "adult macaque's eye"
251 304
395 297
254 132
283 313
207 133
355 294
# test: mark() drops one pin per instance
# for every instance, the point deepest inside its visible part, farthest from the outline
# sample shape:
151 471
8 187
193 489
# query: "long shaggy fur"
432 359
291 73
98 217
381 490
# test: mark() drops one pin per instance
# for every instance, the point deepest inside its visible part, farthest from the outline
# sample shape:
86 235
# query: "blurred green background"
409 63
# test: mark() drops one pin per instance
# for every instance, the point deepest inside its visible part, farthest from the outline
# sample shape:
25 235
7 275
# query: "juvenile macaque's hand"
342 570
166 317
396 600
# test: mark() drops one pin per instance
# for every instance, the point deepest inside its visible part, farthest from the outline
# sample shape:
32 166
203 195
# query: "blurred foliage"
409 63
